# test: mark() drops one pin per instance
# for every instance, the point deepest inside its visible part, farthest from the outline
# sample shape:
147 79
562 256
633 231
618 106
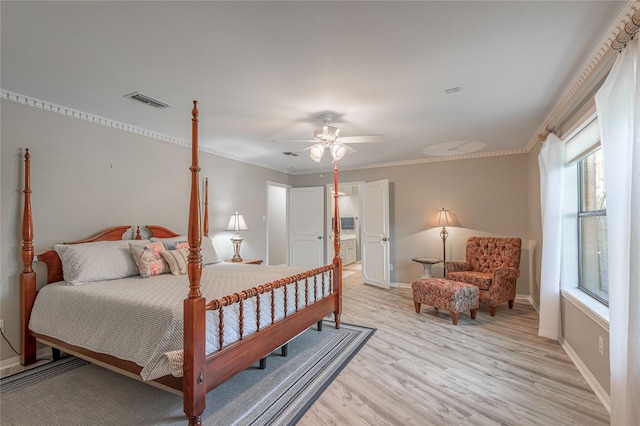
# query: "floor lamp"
444 220
236 224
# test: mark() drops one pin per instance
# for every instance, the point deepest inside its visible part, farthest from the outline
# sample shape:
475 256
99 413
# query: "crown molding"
595 70
437 159
81 115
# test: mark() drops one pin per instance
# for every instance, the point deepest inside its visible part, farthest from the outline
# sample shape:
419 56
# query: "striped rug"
74 392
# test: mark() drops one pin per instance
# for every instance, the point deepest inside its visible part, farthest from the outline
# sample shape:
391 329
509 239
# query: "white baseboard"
593 383
529 299
13 362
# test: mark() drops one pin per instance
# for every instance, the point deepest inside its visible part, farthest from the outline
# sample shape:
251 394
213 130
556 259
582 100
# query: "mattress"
141 320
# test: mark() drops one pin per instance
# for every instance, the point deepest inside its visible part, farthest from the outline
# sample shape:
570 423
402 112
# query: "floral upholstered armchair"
493 265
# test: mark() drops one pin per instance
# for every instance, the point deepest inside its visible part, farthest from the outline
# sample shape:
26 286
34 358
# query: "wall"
87 177
488 196
580 332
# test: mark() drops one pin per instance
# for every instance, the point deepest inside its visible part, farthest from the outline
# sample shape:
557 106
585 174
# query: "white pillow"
209 254
97 261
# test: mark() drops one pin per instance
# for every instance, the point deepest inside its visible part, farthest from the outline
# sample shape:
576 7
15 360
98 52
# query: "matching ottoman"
441 293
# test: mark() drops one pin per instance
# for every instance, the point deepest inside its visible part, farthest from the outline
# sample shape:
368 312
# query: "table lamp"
236 224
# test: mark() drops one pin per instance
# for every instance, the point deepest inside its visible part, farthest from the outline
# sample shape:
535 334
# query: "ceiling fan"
328 139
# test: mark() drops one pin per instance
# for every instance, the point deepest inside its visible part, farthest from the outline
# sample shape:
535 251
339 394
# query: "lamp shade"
237 223
444 218
338 151
316 152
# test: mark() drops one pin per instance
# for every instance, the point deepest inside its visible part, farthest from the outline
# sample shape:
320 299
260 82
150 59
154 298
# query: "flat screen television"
347 223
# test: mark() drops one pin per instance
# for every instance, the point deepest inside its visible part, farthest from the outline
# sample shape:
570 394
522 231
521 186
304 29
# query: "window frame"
582 214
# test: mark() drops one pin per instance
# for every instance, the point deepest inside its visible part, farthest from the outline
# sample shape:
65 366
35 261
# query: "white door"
277 223
307 227
374 218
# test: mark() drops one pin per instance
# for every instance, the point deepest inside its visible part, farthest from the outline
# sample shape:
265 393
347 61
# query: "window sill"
587 304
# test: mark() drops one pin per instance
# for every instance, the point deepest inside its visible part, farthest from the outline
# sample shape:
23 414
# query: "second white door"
374 215
307 227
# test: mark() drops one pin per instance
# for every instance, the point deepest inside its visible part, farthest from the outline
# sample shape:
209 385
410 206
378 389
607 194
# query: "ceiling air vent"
147 100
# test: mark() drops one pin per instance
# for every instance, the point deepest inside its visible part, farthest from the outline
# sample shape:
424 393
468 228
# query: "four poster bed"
233 315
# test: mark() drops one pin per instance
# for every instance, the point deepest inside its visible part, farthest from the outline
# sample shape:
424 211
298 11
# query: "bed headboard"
52 260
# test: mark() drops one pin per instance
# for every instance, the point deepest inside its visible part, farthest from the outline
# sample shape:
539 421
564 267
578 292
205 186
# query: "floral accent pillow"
149 259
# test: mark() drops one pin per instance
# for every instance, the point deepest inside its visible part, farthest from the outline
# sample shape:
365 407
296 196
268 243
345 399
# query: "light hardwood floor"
420 369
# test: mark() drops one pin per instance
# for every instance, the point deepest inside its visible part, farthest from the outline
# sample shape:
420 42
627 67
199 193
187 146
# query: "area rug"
73 392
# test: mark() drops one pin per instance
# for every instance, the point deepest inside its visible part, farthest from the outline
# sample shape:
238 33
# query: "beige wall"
581 333
488 196
87 177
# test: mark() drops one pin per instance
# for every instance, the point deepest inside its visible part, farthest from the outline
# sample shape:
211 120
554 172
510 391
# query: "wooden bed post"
28 275
205 216
194 381
337 261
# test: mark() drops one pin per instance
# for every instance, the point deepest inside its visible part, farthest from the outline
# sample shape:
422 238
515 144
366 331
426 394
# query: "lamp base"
236 240
444 234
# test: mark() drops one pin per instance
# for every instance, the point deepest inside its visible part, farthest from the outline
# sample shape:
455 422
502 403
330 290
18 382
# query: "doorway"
349 211
368 202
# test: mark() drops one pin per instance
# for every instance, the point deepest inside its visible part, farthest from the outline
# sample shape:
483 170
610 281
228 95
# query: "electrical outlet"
391 266
601 345
1 325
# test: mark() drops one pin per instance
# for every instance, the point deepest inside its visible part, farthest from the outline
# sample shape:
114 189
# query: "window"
592 227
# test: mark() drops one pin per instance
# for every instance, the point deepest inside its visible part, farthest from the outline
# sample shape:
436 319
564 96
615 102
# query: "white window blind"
582 141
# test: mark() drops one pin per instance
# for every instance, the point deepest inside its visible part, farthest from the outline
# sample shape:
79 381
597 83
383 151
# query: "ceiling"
265 71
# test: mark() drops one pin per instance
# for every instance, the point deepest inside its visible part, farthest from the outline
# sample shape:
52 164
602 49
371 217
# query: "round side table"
427 262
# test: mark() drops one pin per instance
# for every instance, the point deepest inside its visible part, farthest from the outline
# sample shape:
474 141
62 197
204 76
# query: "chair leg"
263 363
511 303
473 313
454 318
417 306
492 310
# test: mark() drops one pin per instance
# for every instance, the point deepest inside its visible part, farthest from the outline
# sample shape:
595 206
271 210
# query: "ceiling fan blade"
362 139
294 141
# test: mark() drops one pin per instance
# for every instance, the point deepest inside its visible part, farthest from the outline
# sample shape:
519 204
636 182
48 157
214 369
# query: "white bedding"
141 320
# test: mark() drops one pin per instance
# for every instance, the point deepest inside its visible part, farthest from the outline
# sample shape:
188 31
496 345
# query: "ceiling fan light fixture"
338 151
327 133
316 152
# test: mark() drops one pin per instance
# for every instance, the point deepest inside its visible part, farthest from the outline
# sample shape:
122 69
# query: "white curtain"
618 106
551 163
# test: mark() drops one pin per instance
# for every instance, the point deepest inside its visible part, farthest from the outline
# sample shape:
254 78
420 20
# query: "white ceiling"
265 71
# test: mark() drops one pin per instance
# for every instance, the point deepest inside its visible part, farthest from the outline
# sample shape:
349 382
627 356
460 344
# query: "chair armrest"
457 266
506 274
